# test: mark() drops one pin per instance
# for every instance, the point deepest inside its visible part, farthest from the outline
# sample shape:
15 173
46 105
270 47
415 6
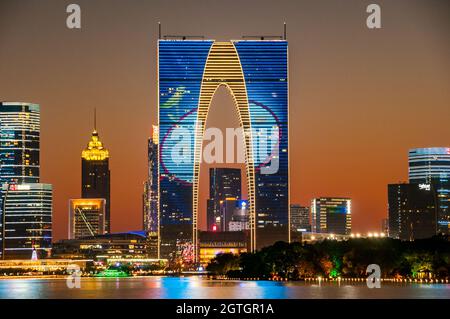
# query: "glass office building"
95 174
19 147
27 220
432 166
300 220
331 215
256 74
224 183
412 211
150 196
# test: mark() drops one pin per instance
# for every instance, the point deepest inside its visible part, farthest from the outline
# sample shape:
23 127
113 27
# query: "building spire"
95 119
95 150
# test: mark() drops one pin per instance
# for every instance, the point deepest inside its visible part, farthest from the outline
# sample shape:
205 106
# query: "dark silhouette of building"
150 196
95 174
213 243
86 217
412 211
25 204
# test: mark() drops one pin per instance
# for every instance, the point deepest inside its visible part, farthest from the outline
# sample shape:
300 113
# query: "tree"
223 263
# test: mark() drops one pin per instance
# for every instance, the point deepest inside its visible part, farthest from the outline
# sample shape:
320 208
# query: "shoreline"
210 278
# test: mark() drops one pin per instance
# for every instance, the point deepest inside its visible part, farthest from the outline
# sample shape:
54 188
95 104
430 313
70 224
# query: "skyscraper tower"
224 184
19 142
95 174
25 204
256 74
432 166
150 196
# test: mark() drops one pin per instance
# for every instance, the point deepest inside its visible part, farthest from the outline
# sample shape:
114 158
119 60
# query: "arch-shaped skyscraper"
256 74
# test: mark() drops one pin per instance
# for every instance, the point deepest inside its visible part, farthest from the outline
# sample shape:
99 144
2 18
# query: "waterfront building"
19 147
331 215
19 142
256 74
412 211
385 225
240 218
214 243
86 217
27 216
28 267
432 166
300 221
95 174
150 196
224 186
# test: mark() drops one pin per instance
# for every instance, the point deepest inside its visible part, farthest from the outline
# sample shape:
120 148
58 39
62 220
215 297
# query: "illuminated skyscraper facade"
95 174
19 149
432 166
27 220
256 74
150 196
300 218
331 215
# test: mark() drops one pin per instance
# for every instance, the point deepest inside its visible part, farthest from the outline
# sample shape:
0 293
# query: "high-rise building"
224 183
86 217
19 155
300 219
27 220
19 142
150 196
95 174
239 220
412 211
256 74
331 215
432 166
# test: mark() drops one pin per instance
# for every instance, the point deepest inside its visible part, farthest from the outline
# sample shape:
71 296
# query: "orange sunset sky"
359 98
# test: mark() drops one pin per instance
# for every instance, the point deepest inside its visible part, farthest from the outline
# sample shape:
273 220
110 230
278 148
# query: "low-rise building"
213 243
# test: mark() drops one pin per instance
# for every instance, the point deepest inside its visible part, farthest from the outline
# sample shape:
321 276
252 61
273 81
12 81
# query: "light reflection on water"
201 288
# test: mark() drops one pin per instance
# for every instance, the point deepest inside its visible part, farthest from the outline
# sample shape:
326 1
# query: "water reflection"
202 288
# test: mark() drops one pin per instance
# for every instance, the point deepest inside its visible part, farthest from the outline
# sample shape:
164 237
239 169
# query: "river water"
202 288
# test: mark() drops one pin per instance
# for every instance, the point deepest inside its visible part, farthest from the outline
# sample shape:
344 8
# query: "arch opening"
218 121
223 68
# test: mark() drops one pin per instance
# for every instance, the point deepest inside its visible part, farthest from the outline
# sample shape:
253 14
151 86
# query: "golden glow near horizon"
95 150
93 202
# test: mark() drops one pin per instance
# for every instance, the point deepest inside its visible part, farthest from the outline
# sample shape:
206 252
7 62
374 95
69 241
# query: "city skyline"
318 172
